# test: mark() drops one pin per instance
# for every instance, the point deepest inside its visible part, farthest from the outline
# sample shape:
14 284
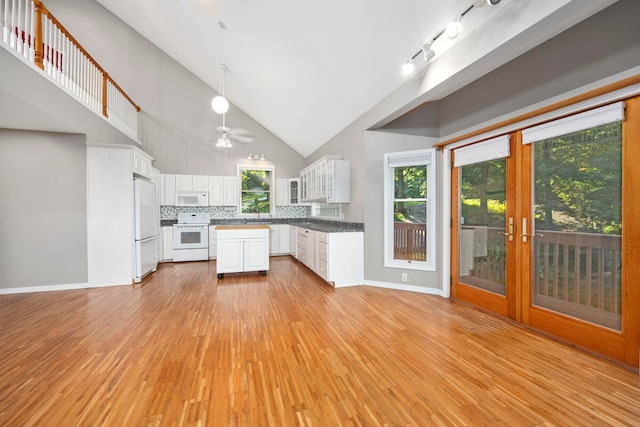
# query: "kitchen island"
242 248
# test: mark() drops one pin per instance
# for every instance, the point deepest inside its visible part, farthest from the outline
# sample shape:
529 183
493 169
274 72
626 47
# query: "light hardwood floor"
285 350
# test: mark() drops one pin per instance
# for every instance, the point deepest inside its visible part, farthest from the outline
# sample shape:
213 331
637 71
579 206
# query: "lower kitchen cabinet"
242 249
336 257
167 243
293 236
279 238
213 242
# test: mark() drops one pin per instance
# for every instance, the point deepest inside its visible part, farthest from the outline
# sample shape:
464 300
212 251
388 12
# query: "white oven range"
191 237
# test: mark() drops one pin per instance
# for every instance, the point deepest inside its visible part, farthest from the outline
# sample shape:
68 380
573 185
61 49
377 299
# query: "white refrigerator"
146 227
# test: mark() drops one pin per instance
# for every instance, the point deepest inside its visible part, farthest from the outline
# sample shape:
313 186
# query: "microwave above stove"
192 198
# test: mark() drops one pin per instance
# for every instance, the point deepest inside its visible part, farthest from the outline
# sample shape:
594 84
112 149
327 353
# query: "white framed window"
409 210
256 184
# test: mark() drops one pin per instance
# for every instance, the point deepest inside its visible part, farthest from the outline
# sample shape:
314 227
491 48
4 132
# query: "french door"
546 228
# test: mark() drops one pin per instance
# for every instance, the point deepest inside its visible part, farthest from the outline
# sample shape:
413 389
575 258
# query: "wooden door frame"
621 345
506 305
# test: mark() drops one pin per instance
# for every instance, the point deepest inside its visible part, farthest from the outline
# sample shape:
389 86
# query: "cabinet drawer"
302 242
322 269
323 237
322 251
302 256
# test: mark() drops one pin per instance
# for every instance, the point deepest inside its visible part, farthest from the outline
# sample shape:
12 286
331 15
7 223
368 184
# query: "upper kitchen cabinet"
223 191
326 180
142 163
167 190
192 183
288 192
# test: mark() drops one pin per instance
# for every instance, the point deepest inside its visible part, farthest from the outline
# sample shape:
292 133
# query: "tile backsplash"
216 212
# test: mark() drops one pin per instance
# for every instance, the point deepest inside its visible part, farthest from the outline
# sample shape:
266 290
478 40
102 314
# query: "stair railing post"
38 54
105 77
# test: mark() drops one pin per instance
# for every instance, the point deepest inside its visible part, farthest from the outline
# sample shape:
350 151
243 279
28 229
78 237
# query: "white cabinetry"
142 163
288 192
223 191
110 212
184 182
213 242
282 196
241 249
326 180
336 257
167 190
293 245
279 239
167 243
192 183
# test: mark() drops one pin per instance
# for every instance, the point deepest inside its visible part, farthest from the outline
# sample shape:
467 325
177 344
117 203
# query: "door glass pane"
483 205
577 257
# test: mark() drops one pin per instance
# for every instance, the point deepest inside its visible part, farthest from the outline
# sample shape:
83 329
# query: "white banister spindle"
5 17
18 26
12 36
32 31
25 29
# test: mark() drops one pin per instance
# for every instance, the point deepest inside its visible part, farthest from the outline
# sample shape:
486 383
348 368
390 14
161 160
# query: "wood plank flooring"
288 350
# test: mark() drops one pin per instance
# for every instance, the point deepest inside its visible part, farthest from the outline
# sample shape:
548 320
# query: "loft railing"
30 29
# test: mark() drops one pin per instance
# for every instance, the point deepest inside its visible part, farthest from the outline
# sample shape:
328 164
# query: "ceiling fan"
226 135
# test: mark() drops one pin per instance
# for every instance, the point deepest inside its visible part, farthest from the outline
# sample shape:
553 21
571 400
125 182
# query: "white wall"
178 124
598 48
43 209
379 143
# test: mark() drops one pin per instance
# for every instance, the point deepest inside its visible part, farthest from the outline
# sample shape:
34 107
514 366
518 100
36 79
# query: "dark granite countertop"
311 224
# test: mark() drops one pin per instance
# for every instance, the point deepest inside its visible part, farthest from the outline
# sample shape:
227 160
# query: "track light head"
480 3
427 51
408 68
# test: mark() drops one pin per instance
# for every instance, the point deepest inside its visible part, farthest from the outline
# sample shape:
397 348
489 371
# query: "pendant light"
219 104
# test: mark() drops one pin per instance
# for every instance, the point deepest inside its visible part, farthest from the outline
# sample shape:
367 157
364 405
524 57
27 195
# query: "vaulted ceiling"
304 70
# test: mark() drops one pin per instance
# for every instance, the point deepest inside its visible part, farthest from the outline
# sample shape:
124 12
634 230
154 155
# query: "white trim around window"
239 169
425 157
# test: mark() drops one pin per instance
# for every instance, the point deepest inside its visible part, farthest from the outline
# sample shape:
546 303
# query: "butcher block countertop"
241 227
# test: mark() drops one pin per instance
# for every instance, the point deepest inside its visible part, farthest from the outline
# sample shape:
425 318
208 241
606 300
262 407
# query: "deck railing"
30 29
410 241
578 273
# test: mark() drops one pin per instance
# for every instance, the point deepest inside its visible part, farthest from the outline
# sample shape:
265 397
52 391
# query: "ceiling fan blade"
242 136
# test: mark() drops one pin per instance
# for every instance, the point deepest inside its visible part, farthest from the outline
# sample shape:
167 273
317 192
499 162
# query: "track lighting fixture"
452 30
427 52
408 68
256 157
480 3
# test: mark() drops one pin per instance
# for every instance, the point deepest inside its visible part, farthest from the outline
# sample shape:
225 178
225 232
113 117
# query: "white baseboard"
399 287
63 287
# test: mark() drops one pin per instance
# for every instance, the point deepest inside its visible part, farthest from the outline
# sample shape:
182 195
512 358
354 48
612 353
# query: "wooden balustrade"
410 241
580 269
32 31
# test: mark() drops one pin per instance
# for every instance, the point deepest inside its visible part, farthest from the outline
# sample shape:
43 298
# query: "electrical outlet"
404 277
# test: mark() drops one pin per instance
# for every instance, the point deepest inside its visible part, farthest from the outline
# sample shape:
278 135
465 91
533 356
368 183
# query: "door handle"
525 236
510 229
